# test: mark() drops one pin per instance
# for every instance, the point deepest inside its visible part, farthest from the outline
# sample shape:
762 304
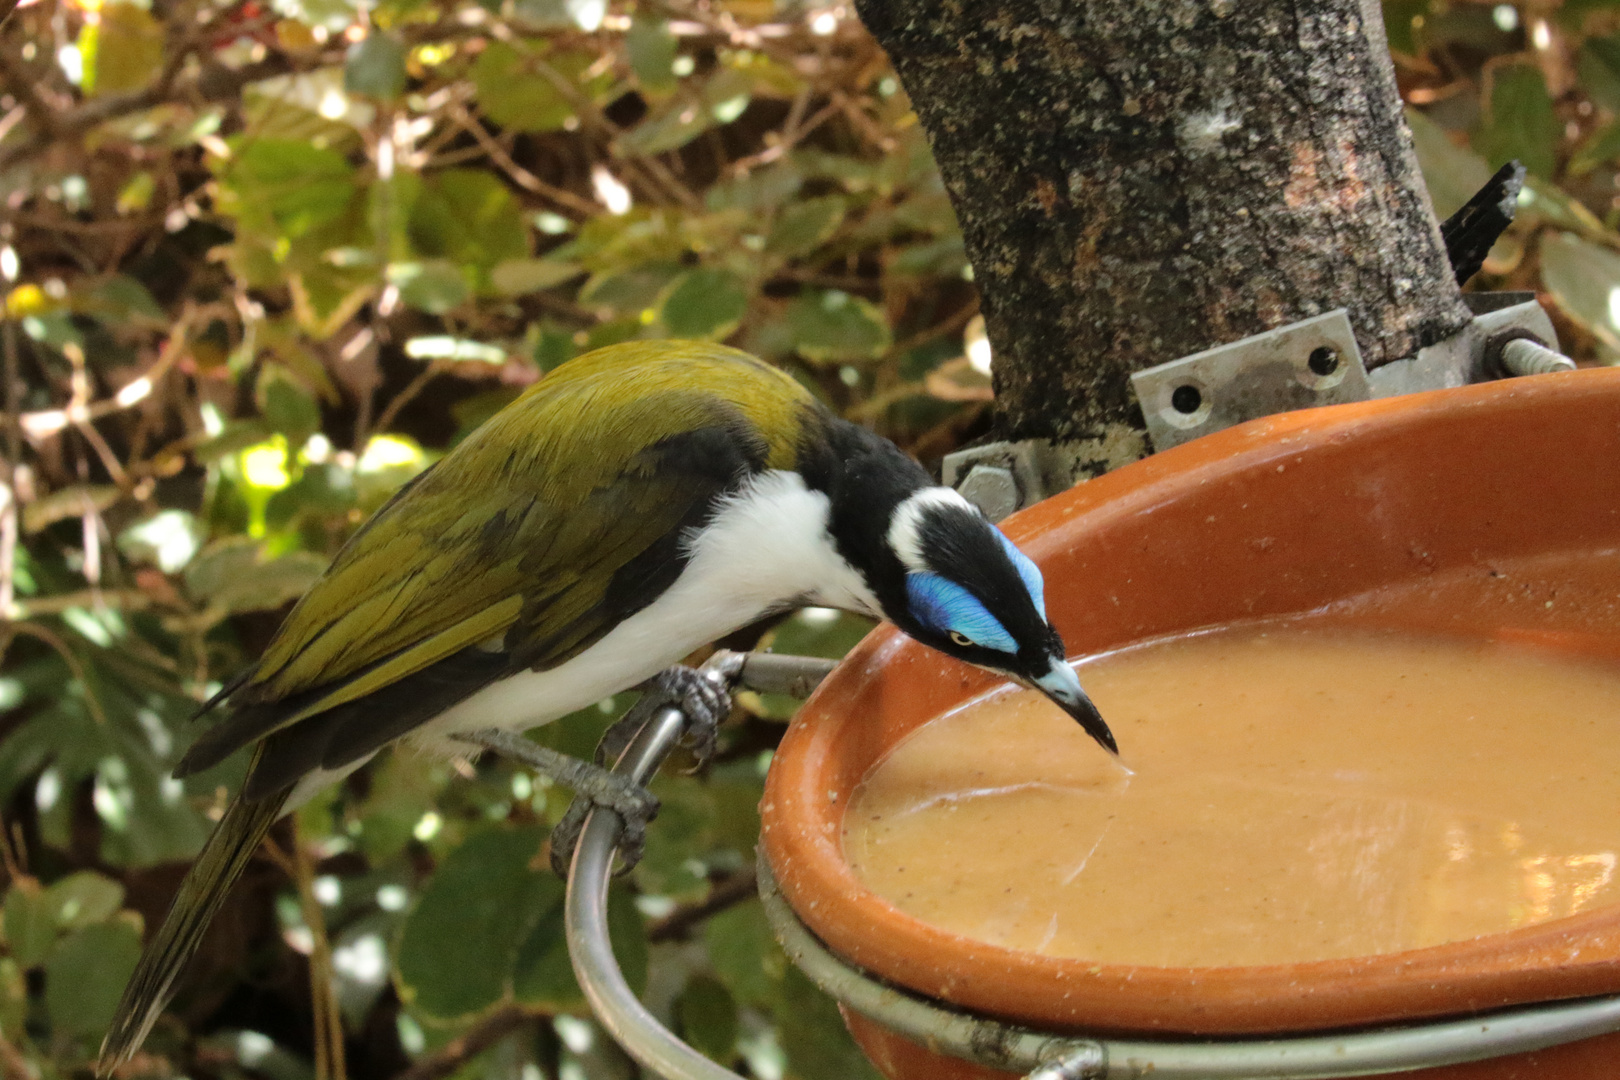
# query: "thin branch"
214 83
728 893
116 599
34 630
521 176
480 1037
405 396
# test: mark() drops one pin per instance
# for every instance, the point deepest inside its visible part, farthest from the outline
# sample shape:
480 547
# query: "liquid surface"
1293 793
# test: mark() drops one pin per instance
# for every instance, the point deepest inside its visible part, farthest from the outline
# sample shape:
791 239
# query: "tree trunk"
1138 180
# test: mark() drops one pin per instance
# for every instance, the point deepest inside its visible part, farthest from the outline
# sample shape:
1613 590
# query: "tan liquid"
1298 793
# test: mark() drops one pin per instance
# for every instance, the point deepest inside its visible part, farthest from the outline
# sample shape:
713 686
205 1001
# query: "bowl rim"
1574 956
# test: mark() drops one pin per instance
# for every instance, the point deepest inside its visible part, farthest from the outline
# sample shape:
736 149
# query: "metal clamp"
1311 362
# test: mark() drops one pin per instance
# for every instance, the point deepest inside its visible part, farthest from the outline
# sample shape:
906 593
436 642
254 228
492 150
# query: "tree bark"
1138 180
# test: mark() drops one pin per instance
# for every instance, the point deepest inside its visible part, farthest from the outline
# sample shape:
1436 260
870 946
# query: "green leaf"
832 325
818 1045
758 192
1452 173
434 285
238 435
630 291
1585 280
287 407
83 898
460 944
542 974
234 575
629 932
68 502
469 217
1598 68
805 226
944 257
519 277
705 304
1603 147
515 91
300 185
708 1019
1400 24
375 67
1520 123
671 127
744 954
85 976
652 49
720 101
31 925
122 298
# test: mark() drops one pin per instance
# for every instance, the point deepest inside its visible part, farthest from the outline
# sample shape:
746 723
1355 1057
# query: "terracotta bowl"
1490 510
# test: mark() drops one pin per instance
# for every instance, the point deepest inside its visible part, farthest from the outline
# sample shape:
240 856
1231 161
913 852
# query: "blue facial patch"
945 607
1028 571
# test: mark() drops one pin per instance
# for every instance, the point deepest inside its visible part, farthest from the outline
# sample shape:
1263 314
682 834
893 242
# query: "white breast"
766 548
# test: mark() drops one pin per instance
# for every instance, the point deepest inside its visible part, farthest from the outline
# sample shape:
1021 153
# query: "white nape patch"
908 518
766 547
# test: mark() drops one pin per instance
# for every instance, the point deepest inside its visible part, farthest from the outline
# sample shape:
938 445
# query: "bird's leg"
593 786
703 695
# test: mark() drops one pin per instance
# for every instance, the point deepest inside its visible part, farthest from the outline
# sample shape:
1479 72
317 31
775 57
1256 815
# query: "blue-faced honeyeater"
632 506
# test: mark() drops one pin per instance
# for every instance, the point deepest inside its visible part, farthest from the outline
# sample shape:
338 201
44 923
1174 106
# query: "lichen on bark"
1138 180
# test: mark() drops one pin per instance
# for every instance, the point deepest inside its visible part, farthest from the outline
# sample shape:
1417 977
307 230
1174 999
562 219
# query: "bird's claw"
636 807
704 696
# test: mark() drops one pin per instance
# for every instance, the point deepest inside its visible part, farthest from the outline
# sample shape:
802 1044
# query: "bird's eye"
961 639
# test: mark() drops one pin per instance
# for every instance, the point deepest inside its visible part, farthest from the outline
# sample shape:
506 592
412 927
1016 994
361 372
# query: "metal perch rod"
585 915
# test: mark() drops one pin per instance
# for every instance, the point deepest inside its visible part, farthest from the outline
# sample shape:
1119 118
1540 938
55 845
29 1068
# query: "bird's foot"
702 694
593 786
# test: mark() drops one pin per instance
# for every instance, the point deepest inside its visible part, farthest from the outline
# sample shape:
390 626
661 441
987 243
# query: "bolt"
1521 356
992 489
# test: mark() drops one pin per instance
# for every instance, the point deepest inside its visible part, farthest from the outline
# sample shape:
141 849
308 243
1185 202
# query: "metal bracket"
1462 358
1311 362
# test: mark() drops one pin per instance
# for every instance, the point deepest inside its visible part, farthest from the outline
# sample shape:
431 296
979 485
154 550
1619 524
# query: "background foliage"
263 260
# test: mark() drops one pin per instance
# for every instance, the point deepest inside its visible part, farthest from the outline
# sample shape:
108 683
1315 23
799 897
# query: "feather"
224 856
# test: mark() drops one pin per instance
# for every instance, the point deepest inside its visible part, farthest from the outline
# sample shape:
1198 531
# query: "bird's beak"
1062 685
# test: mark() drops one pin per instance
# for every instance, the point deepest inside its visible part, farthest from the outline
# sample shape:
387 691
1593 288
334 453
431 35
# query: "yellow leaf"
123 51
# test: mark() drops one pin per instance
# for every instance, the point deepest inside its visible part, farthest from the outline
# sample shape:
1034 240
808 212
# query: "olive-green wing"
495 547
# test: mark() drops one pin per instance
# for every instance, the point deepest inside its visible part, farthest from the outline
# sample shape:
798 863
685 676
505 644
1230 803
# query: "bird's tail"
221 862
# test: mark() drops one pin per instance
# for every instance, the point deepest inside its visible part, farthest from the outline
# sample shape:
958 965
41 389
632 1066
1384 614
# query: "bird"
633 505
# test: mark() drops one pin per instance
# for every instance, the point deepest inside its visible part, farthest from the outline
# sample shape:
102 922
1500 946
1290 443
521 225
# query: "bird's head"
970 593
